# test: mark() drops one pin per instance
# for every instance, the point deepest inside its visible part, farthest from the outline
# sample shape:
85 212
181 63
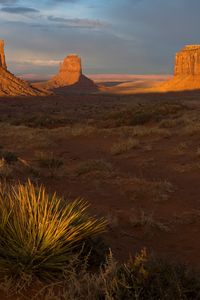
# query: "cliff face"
70 71
187 61
186 71
2 56
69 78
11 85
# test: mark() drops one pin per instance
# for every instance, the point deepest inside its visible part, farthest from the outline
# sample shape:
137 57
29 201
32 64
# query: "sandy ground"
128 84
148 188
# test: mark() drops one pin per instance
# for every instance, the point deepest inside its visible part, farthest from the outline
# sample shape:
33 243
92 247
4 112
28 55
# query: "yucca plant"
39 233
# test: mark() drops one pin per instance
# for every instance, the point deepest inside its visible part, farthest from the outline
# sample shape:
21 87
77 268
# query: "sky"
111 36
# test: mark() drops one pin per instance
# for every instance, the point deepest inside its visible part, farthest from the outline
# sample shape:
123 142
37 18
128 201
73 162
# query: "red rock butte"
70 71
11 85
69 78
186 70
187 61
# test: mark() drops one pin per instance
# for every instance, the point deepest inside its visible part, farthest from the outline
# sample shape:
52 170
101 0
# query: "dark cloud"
19 10
80 23
59 2
7 1
64 1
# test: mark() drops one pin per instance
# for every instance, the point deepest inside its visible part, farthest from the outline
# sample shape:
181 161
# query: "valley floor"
135 159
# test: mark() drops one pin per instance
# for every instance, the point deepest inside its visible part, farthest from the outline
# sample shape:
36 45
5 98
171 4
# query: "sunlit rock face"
187 61
69 78
186 71
69 73
2 55
10 85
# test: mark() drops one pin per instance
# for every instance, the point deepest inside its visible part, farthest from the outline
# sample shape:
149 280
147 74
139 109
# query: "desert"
99 151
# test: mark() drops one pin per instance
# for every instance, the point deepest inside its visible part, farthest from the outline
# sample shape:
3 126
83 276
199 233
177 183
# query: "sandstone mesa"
70 78
186 71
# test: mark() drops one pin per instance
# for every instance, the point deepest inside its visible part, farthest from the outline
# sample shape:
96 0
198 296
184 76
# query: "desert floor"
135 159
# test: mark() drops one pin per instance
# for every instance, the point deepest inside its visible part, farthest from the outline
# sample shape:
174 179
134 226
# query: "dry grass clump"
161 190
82 130
41 121
145 113
148 221
22 136
184 168
142 277
73 130
169 123
140 131
124 146
92 165
8 160
39 233
50 162
5 169
192 129
139 189
181 148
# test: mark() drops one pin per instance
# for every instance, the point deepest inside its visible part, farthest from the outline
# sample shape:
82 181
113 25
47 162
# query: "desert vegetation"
43 240
135 161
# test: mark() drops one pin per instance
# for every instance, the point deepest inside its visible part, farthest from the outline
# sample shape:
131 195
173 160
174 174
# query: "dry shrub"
142 277
39 232
91 165
124 146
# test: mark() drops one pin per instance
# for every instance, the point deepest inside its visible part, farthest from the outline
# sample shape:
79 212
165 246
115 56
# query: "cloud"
80 23
7 1
39 62
19 10
63 1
